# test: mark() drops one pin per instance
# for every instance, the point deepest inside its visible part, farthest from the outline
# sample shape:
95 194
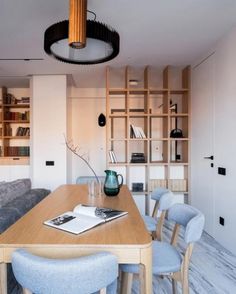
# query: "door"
202 172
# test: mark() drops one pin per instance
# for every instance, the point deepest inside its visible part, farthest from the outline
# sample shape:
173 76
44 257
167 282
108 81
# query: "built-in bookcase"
143 106
14 127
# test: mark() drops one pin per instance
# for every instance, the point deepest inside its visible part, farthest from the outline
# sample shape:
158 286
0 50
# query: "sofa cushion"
12 190
16 208
8 215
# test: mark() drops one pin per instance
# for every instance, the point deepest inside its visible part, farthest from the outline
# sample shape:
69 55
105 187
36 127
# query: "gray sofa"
17 198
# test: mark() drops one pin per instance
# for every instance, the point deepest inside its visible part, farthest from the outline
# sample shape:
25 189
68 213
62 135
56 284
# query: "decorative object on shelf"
133 82
176 133
75 150
112 185
90 42
137 187
101 120
137 158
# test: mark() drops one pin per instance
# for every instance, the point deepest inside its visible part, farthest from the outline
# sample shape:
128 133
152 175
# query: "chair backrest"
87 179
190 218
158 192
164 200
86 274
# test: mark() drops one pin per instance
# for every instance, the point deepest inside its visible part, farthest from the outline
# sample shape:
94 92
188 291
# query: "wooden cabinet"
14 129
143 107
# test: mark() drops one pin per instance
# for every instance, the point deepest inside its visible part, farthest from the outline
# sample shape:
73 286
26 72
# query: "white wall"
225 140
84 107
48 117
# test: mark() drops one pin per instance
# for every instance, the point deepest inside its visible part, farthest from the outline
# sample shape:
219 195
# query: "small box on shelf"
177 185
157 183
137 158
137 187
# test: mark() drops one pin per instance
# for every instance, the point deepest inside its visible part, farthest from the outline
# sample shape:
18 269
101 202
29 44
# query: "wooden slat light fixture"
77 23
65 39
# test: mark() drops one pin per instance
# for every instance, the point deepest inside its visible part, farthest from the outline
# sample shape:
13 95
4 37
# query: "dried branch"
75 150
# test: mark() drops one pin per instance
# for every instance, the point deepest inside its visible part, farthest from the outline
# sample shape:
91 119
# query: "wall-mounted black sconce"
101 120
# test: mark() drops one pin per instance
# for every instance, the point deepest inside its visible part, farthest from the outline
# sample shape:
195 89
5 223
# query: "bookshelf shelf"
140 120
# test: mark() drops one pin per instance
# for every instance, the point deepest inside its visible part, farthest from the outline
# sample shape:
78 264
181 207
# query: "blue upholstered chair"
87 179
164 200
86 274
167 259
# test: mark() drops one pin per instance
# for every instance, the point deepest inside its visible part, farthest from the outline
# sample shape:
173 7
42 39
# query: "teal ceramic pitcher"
112 185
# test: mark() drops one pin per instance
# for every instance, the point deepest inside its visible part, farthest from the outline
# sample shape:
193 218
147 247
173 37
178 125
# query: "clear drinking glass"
95 188
92 188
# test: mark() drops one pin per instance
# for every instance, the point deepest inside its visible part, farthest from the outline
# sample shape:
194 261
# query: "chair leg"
26 291
185 286
142 279
126 283
154 235
174 286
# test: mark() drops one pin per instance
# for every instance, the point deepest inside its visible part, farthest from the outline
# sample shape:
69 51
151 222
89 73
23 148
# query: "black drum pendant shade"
102 43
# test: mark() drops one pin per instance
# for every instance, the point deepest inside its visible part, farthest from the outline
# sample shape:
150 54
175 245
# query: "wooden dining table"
126 237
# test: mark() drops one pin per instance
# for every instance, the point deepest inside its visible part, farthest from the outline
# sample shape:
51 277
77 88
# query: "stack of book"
23 131
11 115
136 132
17 151
137 158
112 156
7 130
9 99
23 100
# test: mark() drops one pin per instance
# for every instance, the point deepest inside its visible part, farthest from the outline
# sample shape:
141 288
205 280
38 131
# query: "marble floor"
212 270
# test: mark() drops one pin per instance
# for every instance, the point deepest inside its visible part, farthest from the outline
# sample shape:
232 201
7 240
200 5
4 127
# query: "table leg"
3 278
146 271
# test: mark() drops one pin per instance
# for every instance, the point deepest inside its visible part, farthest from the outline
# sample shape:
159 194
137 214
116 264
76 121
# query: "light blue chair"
87 179
164 200
167 259
85 275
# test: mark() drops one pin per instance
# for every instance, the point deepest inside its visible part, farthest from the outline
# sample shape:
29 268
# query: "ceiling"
153 32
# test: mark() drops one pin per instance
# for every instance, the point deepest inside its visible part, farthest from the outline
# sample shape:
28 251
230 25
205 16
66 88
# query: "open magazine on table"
83 218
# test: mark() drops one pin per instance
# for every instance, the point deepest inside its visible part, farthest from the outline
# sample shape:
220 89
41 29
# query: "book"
112 155
83 218
136 132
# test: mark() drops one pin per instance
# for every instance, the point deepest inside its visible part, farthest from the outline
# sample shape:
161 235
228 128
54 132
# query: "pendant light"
77 23
81 41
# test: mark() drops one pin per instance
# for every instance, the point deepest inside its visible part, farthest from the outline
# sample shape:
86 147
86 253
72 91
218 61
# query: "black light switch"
221 171
49 163
221 220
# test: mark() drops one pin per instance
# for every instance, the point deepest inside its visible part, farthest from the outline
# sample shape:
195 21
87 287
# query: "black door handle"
209 157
